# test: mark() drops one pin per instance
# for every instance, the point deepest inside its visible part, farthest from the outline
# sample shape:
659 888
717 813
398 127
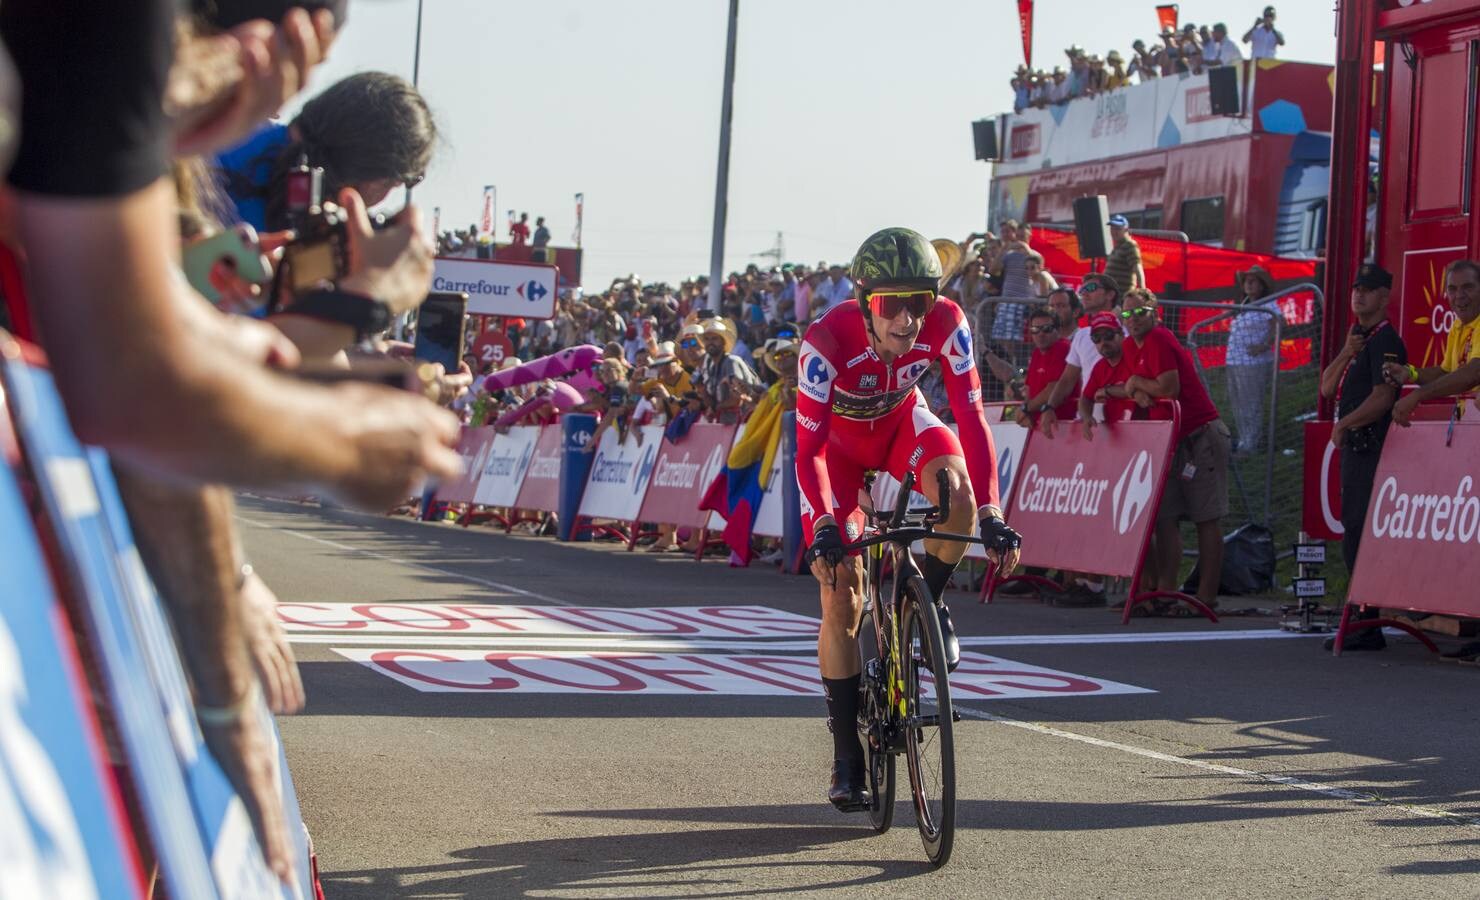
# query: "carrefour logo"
1006 466
645 468
481 286
912 372
1133 492
532 291
958 350
816 373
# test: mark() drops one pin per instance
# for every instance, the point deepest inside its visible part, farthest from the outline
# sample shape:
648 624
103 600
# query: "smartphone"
441 329
227 14
232 252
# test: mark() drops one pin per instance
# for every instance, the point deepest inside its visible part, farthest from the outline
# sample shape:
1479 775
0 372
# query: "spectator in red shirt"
519 231
1197 486
1050 351
1107 380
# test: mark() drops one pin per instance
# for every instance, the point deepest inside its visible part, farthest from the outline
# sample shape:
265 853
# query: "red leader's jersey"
851 404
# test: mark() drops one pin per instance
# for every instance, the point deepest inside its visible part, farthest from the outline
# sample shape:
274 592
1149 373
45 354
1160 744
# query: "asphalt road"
1174 758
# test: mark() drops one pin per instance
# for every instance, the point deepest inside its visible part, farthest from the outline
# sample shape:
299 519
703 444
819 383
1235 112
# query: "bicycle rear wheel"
872 715
930 747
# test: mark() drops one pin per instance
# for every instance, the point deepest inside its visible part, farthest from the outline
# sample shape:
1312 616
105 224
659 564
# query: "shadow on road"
684 863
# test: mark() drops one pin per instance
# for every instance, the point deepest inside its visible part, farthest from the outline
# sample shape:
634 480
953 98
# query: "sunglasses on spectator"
1137 311
1100 337
887 304
1043 329
1089 288
689 343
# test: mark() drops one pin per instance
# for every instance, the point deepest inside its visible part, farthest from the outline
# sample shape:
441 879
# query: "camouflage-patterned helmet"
896 256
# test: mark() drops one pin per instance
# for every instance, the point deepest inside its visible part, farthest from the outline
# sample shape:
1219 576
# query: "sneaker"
948 632
1078 597
1368 639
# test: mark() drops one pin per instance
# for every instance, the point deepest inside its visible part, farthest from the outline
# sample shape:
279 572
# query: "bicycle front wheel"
930 747
872 721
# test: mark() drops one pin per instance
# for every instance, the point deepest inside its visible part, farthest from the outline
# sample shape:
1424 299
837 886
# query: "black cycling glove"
996 535
827 544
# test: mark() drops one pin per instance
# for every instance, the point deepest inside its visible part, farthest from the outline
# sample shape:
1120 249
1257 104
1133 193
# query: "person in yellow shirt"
1459 371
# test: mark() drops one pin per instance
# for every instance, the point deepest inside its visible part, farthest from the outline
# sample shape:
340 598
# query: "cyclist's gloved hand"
998 536
827 545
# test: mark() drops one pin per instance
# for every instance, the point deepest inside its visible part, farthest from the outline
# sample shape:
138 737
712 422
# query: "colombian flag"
737 491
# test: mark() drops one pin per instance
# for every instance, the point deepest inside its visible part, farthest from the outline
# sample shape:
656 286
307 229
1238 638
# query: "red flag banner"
1166 16
1025 21
486 226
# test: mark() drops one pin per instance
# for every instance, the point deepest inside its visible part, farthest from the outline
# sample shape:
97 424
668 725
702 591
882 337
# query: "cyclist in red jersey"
858 410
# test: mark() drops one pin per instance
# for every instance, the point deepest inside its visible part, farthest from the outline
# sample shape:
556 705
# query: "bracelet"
1412 373
228 715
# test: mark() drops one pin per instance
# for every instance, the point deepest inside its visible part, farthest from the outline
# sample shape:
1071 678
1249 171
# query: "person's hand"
244 751
1003 545
1022 418
223 87
1087 428
1338 435
826 553
1142 399
400 439
1046 422
1355 341
1395 374
267 644
260 342
393 265
1403 410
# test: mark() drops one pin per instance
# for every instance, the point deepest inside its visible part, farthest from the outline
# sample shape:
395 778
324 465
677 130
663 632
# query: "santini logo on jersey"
808 423
816 373
958 350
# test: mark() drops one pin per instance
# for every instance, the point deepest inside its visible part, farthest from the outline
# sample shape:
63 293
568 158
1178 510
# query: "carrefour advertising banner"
1424 517
620 471
1089 505
525 290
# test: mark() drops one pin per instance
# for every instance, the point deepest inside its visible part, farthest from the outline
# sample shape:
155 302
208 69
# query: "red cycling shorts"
905 440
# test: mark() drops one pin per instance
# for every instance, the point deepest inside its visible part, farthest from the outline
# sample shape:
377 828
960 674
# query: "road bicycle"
903 708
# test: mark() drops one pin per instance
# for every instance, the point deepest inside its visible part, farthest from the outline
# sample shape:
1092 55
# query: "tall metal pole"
722 178
416 59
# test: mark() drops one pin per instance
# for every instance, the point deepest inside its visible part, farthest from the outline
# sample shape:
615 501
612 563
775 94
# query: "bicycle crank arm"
929 721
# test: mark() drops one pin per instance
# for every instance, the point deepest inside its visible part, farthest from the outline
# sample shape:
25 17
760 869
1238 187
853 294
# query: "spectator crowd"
1191 50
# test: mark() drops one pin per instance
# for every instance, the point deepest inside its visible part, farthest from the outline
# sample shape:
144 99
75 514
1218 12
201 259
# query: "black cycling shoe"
849 789
948 632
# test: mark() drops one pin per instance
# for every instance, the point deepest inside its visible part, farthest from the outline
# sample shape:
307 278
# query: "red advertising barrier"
1424 517
1091 506
1320 514
472 446
541 488
681 474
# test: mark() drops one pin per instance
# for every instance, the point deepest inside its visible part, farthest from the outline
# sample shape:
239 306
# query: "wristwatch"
365 315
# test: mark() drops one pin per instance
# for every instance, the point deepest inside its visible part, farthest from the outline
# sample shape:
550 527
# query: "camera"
318 255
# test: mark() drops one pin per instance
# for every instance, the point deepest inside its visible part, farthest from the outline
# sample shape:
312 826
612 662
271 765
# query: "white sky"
850 115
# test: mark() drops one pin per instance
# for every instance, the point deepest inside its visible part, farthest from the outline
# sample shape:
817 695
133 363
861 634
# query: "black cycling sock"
937 574
842 716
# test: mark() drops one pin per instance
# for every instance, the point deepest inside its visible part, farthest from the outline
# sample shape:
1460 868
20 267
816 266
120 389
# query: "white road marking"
494 585
1300 784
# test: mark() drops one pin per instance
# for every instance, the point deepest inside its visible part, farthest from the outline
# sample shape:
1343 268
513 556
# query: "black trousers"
1357 472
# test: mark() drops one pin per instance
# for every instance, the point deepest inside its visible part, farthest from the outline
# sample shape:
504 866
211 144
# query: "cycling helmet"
897 257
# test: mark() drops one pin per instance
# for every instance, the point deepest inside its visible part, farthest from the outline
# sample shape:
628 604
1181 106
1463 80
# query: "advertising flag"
1025 21
486 226
1166 17
580 212
436 220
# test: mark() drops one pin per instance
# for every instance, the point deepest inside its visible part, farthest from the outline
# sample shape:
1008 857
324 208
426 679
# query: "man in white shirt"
835 288
1220 50
1263 37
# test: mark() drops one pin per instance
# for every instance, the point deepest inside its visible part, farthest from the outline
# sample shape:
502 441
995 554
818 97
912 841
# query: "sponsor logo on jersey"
868 353
923 348
808 423
911 373
974 395
816 372
915 457
958 350
868 381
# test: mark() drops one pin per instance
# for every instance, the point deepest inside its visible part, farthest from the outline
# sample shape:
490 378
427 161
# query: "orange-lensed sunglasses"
887 304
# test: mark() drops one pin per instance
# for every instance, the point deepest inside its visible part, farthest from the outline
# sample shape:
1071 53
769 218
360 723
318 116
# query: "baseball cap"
1103 320
1119 221
1371 275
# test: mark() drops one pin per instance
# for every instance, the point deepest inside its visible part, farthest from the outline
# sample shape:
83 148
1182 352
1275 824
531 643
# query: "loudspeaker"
1223 90
984 135
1092 226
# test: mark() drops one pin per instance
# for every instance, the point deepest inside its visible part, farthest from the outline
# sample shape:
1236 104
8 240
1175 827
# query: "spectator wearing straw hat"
722 374
780 356
1251 357
1197 486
